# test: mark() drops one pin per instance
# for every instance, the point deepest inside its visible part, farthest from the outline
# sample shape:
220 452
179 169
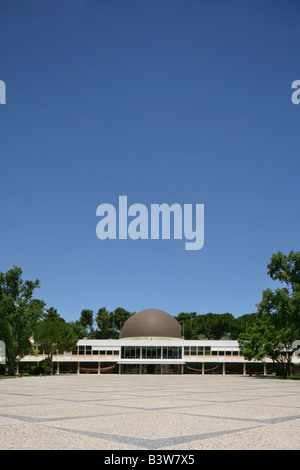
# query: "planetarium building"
151 342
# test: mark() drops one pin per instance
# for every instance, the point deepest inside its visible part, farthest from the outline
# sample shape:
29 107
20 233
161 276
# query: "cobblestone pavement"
150 412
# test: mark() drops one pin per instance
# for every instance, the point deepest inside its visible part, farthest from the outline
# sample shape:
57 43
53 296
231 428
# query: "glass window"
193 350
172 352
81 350
186 350
102 352
151 352
88 350
109 352
207 350
200 350
228 352
214 353
95 352
130 352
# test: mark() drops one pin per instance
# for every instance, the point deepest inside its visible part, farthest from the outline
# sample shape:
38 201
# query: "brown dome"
149 323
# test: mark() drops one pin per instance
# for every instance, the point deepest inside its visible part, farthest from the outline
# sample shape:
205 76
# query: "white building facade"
151 343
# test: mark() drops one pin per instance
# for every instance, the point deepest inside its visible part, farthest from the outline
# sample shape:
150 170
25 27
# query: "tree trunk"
51 359
11 366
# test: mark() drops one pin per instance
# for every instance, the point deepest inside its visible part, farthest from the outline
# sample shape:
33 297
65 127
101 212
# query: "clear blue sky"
162 101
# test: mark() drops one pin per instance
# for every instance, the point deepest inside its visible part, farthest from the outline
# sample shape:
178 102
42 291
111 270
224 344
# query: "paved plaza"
149 412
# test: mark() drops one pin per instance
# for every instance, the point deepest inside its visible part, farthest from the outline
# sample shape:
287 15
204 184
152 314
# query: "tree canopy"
19 313
52 336
277 324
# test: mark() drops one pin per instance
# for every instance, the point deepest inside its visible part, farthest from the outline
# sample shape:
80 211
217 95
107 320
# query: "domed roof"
149 323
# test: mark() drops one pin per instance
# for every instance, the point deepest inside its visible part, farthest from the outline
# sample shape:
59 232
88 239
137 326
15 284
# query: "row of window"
87 350
206 351
151 352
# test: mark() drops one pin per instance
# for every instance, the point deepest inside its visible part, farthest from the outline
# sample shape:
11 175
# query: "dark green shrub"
45 366
34 370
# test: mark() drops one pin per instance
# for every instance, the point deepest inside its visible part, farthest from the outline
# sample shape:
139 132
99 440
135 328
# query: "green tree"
87 320
215 326
241 324
284 303
51 314
188 324
105 324
55 336
277 325
80 331
265 340
19 313
110 323
120 316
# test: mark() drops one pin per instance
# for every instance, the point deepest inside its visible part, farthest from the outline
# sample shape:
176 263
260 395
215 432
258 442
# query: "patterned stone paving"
149 412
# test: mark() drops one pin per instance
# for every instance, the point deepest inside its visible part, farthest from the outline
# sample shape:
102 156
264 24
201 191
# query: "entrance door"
151 369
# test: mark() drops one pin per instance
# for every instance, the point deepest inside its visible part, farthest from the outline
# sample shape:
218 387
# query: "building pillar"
140 368
265 368
202 368
119 368
161 368
78 367
244 368
224 371
99 367
182 368
57 368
